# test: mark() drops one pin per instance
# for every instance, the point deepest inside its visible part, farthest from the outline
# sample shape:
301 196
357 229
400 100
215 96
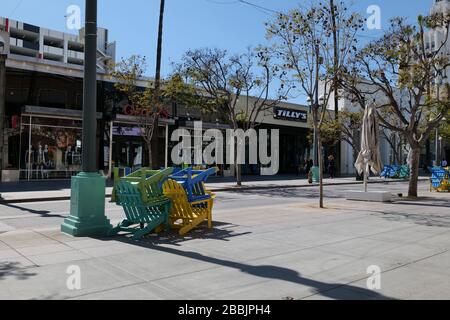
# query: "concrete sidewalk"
61 190
265 253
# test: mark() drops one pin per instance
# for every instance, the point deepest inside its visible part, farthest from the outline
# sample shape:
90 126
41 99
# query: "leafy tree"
140 92
345 128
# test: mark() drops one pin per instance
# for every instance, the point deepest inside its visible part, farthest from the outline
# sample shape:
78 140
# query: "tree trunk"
239 175
428 159
150 155
414 177
321 169
336 82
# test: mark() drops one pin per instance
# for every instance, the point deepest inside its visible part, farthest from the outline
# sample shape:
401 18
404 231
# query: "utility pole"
159 50
336 79
315 107
157 89
87 207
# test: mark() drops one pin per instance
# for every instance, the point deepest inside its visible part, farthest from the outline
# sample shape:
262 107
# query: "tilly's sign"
290 114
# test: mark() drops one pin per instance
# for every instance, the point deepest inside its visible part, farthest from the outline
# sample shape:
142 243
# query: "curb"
244 188
227 189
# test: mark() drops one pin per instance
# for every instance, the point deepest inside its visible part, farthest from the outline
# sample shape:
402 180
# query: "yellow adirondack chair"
183 214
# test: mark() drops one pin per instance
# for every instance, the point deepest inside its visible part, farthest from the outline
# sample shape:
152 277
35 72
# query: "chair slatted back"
193 182
149 183
181 207
438 175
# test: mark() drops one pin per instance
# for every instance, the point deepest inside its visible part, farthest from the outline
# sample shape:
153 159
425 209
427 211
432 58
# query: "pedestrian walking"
331 167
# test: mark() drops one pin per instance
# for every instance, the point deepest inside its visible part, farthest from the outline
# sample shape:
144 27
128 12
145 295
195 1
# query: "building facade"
435 38
42 94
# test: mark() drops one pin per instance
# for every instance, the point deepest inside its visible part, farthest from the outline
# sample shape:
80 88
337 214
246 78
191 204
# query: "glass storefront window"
128 147
50 148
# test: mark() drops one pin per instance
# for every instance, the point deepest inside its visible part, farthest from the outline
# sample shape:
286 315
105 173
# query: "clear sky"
188 24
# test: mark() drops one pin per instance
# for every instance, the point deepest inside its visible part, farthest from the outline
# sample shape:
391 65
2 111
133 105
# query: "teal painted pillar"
87 205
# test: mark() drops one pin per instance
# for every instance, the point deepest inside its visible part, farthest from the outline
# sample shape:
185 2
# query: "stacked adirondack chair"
155 200
439 180
146 208
404 172
192 203
388 172
395 172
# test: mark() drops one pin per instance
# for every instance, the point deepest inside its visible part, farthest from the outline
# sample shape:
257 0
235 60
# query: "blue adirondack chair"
390 172
396 171
385 172
193 182
438 177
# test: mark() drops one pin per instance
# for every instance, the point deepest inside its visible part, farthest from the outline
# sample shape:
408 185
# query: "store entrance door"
292 154
128 153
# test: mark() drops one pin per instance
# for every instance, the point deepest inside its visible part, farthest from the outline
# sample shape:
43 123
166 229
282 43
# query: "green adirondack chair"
146 208
404 172
148 181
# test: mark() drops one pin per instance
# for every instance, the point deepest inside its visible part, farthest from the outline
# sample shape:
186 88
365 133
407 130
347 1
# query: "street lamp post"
87 206
315 109
437 148
437 140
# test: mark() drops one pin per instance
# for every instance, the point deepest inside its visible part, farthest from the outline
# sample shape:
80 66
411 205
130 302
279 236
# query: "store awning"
54 113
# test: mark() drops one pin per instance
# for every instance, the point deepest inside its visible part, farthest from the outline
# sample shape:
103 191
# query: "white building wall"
437 37
54 46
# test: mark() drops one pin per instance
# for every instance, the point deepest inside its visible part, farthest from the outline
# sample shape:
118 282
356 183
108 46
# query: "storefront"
50 144
188 125
129 148
294 146
47 144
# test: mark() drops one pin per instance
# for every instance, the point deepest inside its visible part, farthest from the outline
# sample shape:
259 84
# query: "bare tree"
238 86
402 68
303 45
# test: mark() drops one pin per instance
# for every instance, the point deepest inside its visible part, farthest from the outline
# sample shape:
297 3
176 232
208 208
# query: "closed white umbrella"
369 157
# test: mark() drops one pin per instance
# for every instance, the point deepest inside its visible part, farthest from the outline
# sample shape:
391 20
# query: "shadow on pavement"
224 233
42 213
426 202
13 269
336 291
429 220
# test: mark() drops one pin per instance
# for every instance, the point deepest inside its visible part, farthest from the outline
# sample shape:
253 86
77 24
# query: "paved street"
266 244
